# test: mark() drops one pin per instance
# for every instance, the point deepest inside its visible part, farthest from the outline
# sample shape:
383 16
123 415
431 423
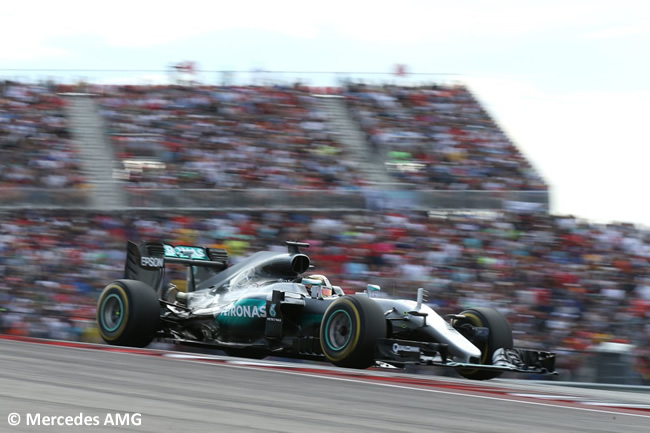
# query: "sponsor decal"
169 251
186 252
152 262
397 348
245 310
273 319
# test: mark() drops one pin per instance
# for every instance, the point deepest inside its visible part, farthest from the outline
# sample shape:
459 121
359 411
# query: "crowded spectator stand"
568 285
564 284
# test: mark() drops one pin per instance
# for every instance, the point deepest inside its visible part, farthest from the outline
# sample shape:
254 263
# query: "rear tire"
349 331
500 336
128 312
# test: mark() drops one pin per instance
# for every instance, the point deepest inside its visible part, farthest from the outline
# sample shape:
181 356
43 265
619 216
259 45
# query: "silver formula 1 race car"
264 306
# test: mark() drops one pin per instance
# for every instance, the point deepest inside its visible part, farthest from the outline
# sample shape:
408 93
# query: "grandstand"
439 137
405 186
38 160
173 146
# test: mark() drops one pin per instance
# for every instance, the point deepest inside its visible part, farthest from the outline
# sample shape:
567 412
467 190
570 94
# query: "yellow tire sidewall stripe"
357 335
118 333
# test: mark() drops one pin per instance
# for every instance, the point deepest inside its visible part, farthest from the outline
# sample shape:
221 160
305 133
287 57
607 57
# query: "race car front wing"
401 352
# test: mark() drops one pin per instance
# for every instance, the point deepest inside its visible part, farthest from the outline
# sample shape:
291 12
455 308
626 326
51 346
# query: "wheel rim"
339 327
112 313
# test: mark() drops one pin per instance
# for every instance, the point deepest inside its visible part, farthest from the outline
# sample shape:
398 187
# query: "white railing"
367 199
261 199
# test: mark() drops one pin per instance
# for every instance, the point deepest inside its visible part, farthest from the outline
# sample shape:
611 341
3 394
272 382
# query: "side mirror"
372 288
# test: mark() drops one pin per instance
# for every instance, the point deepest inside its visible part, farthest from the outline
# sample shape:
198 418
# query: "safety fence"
366 199
25 197
274 199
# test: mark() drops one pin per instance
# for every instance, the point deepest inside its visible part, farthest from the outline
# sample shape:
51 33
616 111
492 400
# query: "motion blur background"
493 154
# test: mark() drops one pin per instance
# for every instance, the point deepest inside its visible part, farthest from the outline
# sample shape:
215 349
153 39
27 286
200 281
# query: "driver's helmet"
326 288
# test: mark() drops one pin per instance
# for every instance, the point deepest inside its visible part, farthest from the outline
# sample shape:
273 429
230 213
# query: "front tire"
349 331
128 312
500 336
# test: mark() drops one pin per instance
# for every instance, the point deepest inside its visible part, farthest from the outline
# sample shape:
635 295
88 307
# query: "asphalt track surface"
176 392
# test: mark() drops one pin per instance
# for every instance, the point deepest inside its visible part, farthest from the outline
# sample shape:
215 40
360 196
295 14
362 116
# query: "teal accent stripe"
327 330
101 316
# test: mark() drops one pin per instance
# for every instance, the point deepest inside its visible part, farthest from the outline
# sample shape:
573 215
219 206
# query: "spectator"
35 147
54 264
226 137
439 137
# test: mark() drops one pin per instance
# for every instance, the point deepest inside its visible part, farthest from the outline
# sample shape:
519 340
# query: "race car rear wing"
146 262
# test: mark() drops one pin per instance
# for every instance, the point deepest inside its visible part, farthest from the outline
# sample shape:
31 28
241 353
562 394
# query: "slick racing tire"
127 313
500 336
349 331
